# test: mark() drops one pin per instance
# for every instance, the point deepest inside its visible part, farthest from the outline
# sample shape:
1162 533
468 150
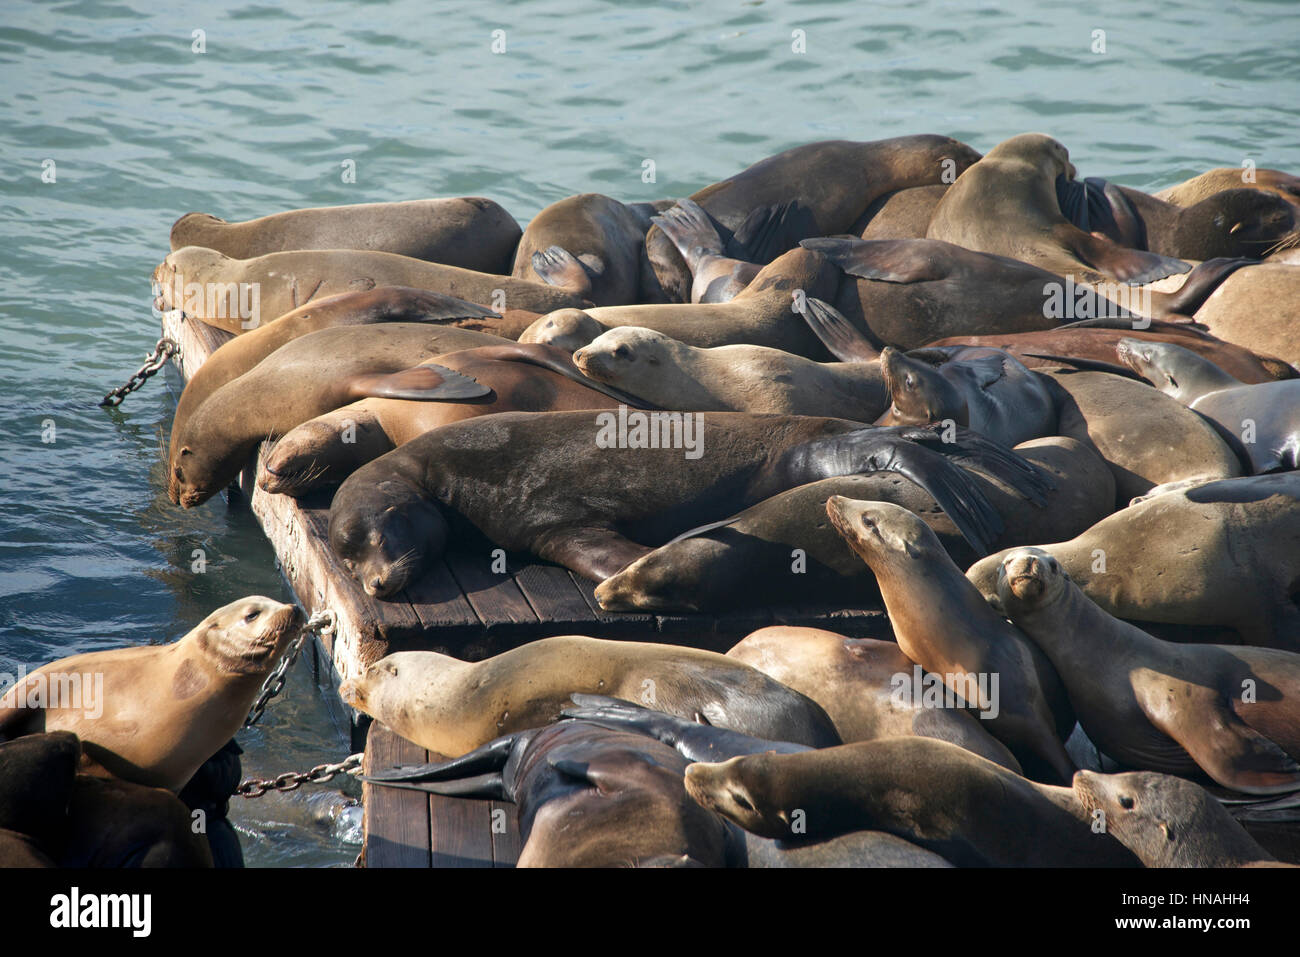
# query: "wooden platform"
462 608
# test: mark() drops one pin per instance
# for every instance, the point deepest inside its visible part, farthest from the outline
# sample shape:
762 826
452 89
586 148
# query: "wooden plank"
460 830
613 624
506 844
554 597
396 821
495 597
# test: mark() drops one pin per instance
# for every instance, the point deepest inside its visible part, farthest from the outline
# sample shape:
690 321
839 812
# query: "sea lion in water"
942 623
522 378
1007 204
739 378
469 232
240 294
596 502
452 707
785 549
304 378
865 686
1146 437
1225 553
819 189
1166 821
965 808
1233 712
1260 422
987 390
154 714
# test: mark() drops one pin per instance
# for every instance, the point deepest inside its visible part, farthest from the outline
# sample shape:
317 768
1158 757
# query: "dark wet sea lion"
452 707
818 189
1166 821
1231 711
785 549
987 390
469 232
37 775
598 499
1007 204
865 686
522 378
153 714
943 623
304 378
1226 553
931 793
114 823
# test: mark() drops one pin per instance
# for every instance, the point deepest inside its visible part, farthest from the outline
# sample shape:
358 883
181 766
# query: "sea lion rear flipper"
424 383
882 260
594 553
559 361
1133 266
486 786
769 231
424 305
476 774
690 229
1227 749
558 267
838 335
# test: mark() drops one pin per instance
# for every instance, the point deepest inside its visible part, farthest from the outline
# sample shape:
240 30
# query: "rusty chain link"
292 780
321 623
164 350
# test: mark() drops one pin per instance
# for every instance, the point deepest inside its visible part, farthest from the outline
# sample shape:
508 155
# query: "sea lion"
715 277
1098 343
1192 191
818 189
1258 308
902 214
942 623
1007 204
1238 222
1146 437
1225 553
936 795
153 714
453 707
763 314
19 850
1233 712
785 549
522 378
240 294
865 686
114 823
606 237
739 378
304 378
37 775
1166 821
1260 422
597 498
987 390
469 232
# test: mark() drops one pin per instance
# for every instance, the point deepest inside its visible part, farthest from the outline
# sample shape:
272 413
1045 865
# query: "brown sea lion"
240 294
522 378
931 793
785 549
304 378
1233 712
902 214
468 232
818 189
1259 309
37 775
942 623
604 489
154 714
1192 191
715 277
114 823
1238 222
453 707
865 685
1225 553
1007 204
1166 821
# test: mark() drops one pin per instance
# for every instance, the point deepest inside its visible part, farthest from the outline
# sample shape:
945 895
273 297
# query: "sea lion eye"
740 799
252 615
1127 803
910 381
622 352
177 472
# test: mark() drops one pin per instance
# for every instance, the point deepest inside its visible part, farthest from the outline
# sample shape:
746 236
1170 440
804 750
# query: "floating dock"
465 609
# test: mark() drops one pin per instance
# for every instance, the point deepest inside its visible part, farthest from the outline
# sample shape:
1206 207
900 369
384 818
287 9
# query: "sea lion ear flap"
840 337
426 383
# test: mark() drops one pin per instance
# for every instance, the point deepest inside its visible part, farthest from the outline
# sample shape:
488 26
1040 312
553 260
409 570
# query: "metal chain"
321 623
164 350
292 780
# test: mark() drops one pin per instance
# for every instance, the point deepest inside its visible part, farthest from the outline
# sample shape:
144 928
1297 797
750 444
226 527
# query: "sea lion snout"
351 693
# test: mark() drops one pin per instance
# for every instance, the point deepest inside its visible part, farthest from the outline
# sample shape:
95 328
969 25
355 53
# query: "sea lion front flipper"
1203 280
559 361
840 337
1226 748
429 382
881 260
983 453
594 553
476 774
1087 365
1133 266
769 231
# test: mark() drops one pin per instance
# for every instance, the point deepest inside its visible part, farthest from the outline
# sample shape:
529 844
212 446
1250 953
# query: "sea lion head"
918 393
1165 820
623 355
248 636
181 277
392 690
881 532
1048 155
1144 358
730 788
674 577
385 532
194 475
1029 578
567 329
